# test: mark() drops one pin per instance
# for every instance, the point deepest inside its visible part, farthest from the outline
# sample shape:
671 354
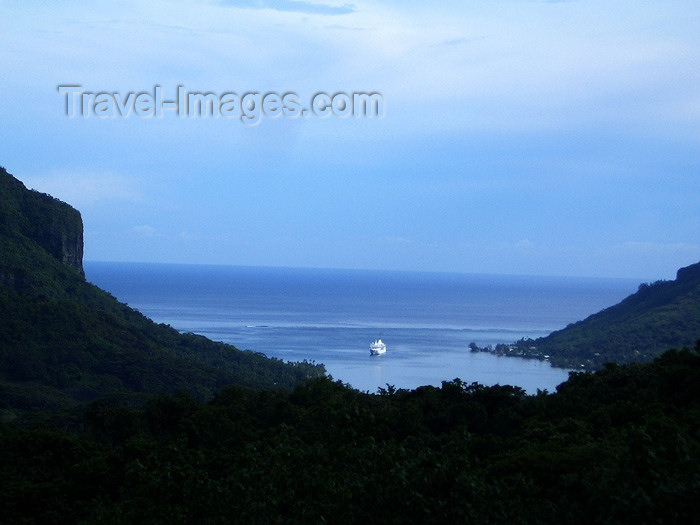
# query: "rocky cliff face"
50 223
63 238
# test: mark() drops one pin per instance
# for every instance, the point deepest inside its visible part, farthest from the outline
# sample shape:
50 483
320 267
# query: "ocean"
427 320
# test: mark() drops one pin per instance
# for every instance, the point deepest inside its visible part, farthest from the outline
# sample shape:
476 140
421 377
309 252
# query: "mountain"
44 221
63 341
662 315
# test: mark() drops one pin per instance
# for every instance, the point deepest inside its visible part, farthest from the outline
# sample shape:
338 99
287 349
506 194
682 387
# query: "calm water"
427 320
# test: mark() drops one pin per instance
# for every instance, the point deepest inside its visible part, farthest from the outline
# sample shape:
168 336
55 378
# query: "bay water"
427 320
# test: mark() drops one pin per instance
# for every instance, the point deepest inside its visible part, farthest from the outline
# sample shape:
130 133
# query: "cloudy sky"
522 137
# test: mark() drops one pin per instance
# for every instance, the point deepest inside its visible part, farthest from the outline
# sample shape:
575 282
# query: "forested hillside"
665 314
64 341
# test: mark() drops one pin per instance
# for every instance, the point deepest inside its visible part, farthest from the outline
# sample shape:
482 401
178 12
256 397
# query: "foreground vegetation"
621 445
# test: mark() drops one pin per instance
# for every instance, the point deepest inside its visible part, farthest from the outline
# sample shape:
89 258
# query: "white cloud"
84 188
524 244
396 241
659 248
144 230
293 6
494 66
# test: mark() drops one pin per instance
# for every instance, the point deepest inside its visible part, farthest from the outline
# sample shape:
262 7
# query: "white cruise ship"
377 348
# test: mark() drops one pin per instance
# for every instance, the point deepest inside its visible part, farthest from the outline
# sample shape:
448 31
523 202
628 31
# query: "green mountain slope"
662 315
63 341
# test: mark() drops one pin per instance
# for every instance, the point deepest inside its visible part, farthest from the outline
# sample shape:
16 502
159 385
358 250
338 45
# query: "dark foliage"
64 341
665 314
621 445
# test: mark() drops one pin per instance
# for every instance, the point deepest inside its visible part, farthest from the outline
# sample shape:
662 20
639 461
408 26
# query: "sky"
516 136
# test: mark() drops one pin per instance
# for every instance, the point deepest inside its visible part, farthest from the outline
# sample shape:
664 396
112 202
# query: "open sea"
427 320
